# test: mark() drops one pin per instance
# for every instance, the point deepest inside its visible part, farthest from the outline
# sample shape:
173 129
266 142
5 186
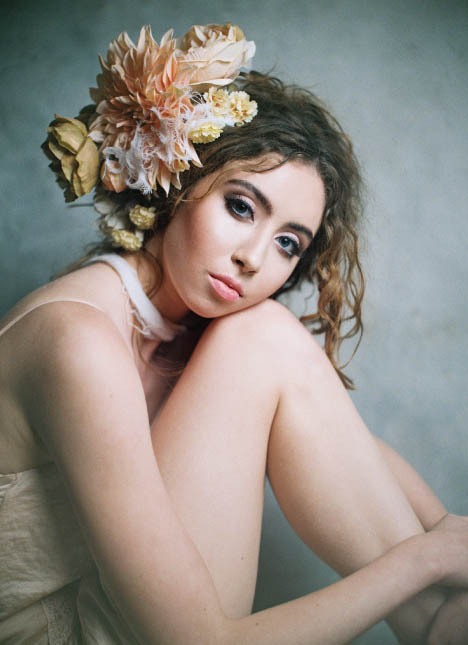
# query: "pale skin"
180 561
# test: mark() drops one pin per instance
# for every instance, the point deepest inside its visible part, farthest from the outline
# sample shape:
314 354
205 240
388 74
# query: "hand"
451 533
450 625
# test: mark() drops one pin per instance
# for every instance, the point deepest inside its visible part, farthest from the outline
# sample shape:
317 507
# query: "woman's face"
235 246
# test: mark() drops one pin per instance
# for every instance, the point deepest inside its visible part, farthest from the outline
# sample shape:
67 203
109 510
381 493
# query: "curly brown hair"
293 124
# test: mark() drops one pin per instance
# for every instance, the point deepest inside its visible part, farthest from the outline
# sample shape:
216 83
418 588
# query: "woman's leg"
259 392
211 441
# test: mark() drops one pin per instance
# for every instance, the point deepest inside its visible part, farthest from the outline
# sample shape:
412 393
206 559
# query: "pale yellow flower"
205 132
242 109
127 240
218 100
74 156
143 217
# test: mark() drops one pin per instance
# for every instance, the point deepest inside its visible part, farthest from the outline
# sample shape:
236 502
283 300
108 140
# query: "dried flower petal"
67 163
77 154
214 54
69 133
87 165
113 177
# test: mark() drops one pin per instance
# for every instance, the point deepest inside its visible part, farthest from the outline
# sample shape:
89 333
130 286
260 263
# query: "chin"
215 309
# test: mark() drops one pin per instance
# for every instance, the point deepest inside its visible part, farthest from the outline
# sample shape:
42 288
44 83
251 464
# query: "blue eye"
288 246
239 208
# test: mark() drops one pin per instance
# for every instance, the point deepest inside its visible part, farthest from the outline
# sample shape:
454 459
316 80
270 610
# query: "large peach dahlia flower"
150 105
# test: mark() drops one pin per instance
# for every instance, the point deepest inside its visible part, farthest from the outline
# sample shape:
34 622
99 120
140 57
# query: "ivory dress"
50 592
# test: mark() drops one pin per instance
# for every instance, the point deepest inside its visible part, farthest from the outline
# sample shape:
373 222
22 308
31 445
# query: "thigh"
210 441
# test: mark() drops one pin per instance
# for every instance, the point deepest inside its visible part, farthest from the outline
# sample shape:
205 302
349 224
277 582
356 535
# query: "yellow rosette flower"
127 240
241 108
142 217
218 100
205 132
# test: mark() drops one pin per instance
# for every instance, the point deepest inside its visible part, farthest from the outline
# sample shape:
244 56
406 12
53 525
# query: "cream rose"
213 55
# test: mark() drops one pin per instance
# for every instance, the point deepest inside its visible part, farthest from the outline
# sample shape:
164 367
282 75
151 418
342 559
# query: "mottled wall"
395 72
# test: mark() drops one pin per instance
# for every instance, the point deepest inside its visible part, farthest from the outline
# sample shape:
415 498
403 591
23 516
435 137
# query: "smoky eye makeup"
239 206
289 245
292 243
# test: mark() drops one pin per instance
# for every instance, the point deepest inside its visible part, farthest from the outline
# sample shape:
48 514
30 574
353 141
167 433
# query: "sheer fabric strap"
150 322
47 302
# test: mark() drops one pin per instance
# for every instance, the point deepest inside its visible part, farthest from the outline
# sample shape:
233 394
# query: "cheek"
281 274
186 244
209 234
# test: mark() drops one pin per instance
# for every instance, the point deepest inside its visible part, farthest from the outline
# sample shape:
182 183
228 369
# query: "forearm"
342 611
445 613
332 616
397 587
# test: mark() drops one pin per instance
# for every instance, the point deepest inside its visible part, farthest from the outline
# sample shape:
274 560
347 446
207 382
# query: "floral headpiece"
152 104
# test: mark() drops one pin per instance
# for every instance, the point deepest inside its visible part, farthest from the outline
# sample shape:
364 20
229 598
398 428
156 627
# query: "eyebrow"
301 229
263 199
265 202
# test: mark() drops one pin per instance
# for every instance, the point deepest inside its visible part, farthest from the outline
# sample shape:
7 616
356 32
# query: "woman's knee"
268 328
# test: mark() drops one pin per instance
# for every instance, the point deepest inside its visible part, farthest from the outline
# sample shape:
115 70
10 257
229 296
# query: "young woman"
146 393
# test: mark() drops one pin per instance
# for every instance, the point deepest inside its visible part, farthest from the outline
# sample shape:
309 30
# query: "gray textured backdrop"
395 73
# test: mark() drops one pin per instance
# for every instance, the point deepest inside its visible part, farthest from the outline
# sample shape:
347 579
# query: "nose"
250 254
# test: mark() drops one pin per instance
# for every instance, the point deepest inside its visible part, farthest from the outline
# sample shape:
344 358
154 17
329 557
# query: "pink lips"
225 287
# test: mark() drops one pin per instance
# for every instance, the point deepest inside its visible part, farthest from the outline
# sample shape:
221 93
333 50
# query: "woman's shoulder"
60 327
61 343
62 333
88 294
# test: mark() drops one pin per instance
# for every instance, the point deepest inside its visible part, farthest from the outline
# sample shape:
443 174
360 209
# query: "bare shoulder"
73 364
56 359
71 337
71 297
63 332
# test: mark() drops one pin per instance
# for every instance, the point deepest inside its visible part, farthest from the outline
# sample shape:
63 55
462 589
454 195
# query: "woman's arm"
450 624
83 396
342 611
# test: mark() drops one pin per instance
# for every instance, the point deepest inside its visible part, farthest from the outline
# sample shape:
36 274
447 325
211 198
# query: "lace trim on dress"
6 482
61 614
150 322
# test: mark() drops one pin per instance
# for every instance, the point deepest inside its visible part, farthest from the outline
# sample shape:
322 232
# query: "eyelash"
296 248
232 205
